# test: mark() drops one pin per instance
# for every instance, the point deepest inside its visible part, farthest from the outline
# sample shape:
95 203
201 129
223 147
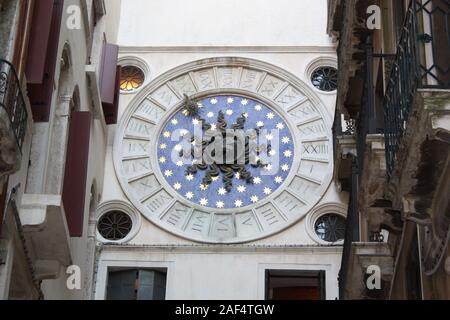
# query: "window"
115 225
295 285
131 78
136 284
325 79
330 227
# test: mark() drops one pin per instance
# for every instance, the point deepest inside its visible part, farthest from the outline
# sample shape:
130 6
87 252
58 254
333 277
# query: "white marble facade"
176 43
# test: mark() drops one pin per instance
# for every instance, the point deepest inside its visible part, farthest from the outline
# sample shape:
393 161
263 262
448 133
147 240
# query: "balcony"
421 69
392 141
13 119
417 117
363 248
45 227
365 175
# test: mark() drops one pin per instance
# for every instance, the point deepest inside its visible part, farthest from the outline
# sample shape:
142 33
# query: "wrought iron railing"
422 61
12 101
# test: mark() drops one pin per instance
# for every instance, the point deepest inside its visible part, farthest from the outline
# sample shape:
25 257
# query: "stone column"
58 147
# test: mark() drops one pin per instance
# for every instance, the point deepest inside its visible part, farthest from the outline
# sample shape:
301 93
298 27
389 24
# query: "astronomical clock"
173 170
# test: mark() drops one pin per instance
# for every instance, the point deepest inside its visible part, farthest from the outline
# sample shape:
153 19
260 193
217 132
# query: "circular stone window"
331 228
115 225
131 78
325 79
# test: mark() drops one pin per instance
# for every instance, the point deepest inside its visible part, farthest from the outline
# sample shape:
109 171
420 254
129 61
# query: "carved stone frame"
267 70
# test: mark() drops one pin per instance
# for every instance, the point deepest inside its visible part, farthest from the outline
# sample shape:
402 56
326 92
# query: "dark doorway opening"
295 285
137 284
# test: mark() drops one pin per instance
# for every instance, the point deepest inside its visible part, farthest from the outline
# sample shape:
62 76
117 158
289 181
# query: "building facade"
58 93
103 194
174 229
392 145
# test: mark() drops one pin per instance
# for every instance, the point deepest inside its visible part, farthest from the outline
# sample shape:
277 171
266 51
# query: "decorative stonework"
329 208
137 143
316 64
119 206
421 193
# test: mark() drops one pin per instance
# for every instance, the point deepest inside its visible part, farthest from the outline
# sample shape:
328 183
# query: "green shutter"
122 285
152 285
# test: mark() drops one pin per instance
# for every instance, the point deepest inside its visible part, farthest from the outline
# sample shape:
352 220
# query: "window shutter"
110 111
39 39
108 73
40 94
99 9
152 285
122 285
110 83
74 190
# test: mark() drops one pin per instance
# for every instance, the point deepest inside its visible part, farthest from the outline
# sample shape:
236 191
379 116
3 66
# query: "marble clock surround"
156 200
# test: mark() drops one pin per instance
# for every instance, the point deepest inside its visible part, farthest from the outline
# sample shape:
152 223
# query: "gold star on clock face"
222 191
241 189
220 204
279 180
286 140
287 154
177 186
189 195
168 173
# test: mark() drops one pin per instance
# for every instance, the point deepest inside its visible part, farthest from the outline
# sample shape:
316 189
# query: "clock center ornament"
225 151
246 155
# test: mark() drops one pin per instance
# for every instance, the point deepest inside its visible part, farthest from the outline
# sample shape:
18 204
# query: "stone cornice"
296 249
225 49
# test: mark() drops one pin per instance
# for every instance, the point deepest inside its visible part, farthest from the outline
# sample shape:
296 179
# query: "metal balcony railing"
12 101
422 61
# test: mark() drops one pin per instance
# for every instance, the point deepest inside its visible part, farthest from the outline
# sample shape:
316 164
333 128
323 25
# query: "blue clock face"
195 173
